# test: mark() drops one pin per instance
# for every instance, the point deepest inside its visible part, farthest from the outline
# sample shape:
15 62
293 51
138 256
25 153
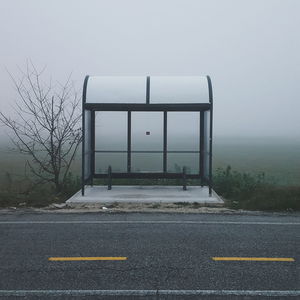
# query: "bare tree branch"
46 125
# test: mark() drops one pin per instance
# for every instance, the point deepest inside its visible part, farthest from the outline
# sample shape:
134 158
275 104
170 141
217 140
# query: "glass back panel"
147 131
111 131
183 131
147 135
117 161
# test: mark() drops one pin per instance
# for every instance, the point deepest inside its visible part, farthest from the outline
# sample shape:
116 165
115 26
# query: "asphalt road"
169 256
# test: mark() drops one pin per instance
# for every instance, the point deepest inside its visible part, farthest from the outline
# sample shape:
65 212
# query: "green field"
279 159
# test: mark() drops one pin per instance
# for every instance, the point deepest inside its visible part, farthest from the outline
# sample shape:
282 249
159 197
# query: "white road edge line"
152 222
266 293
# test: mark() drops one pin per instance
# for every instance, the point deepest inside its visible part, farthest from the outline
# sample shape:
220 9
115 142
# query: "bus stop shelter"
147 127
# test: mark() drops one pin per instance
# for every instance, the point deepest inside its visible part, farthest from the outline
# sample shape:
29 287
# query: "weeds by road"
254 192
239 190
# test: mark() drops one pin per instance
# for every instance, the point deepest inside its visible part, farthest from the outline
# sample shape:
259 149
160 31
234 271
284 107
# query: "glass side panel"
206 142
179 89
117 161
87 131
111 131
176 162
183 131
147 162
87 144
146 131
116 89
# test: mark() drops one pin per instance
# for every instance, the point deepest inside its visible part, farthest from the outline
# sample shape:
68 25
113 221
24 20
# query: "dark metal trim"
147 107
165 133
148 90
143 151
83 132
201 157
129 142
210 133
93 137
153 175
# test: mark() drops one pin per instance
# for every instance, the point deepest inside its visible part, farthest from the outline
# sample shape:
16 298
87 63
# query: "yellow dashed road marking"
85 258
253 259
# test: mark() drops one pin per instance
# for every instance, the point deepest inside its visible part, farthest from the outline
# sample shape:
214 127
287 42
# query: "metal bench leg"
184 178
109 173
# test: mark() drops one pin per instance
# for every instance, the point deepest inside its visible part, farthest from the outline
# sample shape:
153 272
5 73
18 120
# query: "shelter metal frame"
148 107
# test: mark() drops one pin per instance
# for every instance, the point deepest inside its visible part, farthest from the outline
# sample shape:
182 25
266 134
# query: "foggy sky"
251 50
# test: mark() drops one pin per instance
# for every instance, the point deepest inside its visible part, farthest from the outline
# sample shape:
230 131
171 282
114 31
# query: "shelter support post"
129 142
83 134
165 136
201 158
92 146
210 134
83 152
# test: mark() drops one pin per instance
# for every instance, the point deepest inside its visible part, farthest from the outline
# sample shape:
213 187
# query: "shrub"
27 193
248 191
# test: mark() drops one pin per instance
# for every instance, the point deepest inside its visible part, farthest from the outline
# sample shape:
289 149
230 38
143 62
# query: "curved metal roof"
143 89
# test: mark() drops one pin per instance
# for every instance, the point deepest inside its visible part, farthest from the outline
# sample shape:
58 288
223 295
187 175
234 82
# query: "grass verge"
253 192
240 191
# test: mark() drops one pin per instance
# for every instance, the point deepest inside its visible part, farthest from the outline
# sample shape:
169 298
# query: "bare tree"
46 125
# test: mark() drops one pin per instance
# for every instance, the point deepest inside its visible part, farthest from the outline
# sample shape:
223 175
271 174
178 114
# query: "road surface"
149 256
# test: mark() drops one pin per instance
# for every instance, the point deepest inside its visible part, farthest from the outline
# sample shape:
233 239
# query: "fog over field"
251 50
277 158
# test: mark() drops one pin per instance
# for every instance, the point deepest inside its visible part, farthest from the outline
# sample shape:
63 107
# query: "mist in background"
250 48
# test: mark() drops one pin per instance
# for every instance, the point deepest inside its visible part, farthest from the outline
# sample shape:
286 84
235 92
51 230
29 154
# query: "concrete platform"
146 194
